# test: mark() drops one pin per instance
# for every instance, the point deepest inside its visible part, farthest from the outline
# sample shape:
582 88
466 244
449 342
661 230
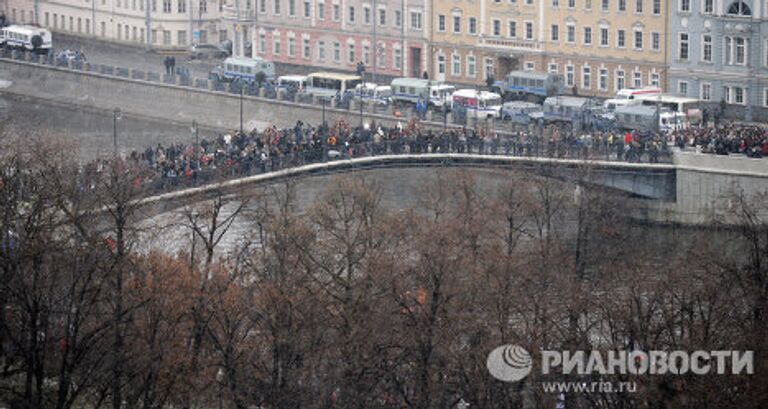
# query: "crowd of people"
727 139
241 154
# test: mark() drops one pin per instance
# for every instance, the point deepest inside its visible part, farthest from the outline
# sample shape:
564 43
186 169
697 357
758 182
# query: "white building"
170 23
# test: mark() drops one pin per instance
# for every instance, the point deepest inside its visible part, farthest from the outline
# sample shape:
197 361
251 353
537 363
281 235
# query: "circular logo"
509 363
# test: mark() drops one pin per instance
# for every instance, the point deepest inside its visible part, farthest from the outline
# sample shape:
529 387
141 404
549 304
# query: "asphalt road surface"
137 57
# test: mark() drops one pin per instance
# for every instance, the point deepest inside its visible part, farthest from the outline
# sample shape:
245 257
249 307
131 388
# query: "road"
89 132
120 55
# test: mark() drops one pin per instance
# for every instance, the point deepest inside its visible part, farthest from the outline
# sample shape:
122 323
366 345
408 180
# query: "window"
638 40
709 6
603 37
456 65
382 17
682 49
555 32
398 57
739 8
276 44
262 43
496 27
727 94
706 91
291 46
587 35
471 66
586 77
441 23
367 55
351 14
307 9
337 51
620 39
472 25
103 29
47 17
441 64
166 6
166 37
292 8
622 5
367 15
740 50
415 20
263 6
398 18
638 6
603 80
351 53
321 50
620 84
570 33
321 10
336 12
655 41
655 79
555 3
529 30
637 79
119 31
512 29
277 7
738 95
706 48
682 87
203 6
657 7
571 4
569 76
181 6
456 24
685 6
306 49
605 5
552 68
530 65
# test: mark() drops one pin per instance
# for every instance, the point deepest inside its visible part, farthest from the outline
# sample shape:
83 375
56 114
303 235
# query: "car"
206 51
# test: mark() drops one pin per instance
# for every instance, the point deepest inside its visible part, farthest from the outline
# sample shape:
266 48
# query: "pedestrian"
173 65
167 64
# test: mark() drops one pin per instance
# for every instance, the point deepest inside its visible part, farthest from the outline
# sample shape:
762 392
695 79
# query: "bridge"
691 191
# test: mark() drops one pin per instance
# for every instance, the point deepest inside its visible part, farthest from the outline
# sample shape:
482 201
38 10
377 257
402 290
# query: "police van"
28 38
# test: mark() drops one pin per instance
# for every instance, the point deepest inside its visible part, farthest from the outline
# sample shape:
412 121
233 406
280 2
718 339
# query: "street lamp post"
196 146
322 99
115 117
242 91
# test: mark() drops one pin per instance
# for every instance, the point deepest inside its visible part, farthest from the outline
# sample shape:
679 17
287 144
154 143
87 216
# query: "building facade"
153 23
602 46
389 37
719 54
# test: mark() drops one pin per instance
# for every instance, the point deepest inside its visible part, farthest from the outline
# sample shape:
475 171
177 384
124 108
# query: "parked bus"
329 84
243 68
26 37
413 90
690 107
530 85
645 118
294 82
371 92
478 104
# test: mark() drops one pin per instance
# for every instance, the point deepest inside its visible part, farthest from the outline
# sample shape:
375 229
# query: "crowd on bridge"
726 139
246 153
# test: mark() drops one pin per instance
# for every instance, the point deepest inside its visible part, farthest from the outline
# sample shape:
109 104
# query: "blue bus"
530 85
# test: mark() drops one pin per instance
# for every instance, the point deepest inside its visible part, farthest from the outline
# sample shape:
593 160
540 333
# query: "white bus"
479 104
371 92
690 107
329 84
26 37
413 90
629 96
243 68
297 82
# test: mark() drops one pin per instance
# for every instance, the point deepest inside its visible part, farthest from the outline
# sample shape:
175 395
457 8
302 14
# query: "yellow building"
601 46
455 29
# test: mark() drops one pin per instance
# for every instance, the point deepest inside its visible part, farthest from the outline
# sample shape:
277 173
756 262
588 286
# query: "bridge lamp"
116 114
